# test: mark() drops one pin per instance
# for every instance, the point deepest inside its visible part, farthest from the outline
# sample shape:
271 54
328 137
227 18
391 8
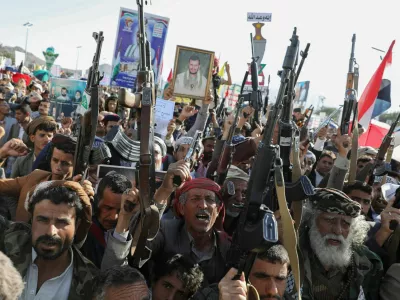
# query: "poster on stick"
126 54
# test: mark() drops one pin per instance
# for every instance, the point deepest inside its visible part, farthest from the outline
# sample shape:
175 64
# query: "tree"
328 111
388 118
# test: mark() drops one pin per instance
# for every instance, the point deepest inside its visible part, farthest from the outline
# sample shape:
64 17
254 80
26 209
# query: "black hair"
24 108
194 57
327 153
57 195
48 126
357 185
364 159
115 276
65 147
118 184
64 88
185 268
274 254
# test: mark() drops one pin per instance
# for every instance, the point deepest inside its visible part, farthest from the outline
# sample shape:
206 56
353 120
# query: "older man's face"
200 210
232 201
331 239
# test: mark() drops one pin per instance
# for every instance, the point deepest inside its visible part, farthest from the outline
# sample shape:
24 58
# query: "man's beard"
330 256
51 240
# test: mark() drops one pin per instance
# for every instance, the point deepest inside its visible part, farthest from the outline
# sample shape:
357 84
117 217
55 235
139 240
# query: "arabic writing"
259 17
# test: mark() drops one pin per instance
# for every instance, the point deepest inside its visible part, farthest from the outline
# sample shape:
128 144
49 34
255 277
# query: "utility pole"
27 25
77 59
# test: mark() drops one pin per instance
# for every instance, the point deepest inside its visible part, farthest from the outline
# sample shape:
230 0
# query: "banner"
126 55
65 96
232 96
164 112
301 91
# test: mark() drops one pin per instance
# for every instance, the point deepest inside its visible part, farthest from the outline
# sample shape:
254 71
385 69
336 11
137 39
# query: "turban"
334 201
185 140
198 183
36 122
162 145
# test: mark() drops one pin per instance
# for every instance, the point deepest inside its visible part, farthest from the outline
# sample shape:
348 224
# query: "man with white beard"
336 263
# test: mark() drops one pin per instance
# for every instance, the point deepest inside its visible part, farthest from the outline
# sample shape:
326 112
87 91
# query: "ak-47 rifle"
266 100
286 126
190 155
220 108
88 113
254 97
226 156
149 216
326 121
257 225
304 123
379 163
351 93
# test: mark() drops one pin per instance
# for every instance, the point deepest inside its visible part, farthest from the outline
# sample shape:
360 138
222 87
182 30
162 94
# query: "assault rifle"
378 167
351 93
220 108
149 216
87 123
257 225
286 126
254 97
226 156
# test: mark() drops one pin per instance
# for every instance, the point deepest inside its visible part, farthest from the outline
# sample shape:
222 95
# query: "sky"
221 26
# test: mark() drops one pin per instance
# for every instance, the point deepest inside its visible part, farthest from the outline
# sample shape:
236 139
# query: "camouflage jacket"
367 277
16 243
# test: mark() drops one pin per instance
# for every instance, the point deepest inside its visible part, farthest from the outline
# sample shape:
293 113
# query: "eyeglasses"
360 200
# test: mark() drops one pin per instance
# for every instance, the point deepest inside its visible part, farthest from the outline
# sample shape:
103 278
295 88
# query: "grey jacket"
390 286
23 165
171 239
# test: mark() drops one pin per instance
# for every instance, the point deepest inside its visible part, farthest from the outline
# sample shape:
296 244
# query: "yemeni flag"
371 96
383 101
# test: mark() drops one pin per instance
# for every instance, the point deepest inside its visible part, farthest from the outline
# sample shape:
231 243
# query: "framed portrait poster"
193 72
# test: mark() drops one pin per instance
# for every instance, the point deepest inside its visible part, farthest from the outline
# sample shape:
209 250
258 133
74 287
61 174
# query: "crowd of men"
68 237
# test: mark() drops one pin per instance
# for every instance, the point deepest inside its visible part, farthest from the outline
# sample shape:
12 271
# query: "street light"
77 58
27 25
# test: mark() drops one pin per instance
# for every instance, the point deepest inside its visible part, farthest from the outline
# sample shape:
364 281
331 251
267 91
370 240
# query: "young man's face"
4 108
41 138
269 278
169 287
108 209
20 116
53 229
44 108
61 164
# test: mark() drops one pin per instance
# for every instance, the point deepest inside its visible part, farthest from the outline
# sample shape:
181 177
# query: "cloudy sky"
221 26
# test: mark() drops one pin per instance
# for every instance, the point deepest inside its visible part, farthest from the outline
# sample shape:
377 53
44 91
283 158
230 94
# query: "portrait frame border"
175 74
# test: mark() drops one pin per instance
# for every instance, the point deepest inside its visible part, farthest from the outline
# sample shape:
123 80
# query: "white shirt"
21 132
318 178
54 288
